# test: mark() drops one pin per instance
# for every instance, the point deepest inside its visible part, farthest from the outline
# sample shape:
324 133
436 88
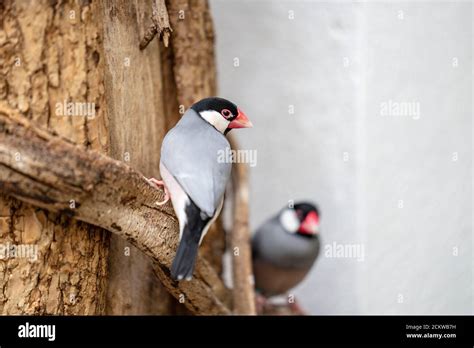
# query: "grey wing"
207 188
191 156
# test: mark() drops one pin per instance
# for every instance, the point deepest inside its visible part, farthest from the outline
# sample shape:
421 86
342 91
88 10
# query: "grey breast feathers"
190 151
272 244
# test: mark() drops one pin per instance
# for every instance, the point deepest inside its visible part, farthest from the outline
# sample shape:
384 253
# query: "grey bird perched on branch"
284 248
193 176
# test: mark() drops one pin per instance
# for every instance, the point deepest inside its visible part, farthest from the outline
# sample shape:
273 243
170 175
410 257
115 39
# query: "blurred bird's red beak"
241 121
310 224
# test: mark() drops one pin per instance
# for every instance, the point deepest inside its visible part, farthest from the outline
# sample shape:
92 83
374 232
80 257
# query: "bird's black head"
222 114
301 218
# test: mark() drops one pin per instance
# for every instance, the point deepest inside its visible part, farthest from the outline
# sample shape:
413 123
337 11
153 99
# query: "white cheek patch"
216 119
289 220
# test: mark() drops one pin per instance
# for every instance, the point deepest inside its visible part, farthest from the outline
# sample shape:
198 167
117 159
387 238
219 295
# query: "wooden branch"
243 285
160 25
45 170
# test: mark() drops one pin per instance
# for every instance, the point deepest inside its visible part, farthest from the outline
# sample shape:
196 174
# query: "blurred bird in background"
193 177
284 248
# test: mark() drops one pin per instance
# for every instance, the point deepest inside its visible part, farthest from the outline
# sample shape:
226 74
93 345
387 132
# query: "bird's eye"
226 113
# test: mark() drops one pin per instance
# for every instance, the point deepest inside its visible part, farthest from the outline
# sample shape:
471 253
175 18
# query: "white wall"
337 63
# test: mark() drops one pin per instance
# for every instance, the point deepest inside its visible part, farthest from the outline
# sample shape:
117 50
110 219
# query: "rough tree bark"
88 52
50 53
134 96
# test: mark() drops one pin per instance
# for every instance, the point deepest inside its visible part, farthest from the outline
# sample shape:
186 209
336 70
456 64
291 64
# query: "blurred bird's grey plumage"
281 259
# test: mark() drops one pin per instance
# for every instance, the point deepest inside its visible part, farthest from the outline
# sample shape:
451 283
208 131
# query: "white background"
337 63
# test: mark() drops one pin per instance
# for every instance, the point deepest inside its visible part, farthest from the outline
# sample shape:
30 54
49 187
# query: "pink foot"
296 309
260 303
157 183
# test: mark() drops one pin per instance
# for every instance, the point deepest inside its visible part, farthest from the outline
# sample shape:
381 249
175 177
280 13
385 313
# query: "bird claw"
296 308
157 183
260 303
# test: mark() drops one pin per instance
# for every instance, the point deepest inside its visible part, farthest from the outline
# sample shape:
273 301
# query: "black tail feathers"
185 259
183 263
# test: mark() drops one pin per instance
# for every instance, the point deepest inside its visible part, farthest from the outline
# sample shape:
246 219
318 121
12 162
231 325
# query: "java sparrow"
284 248
192 175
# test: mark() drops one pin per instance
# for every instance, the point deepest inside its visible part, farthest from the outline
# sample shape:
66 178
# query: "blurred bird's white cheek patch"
237 156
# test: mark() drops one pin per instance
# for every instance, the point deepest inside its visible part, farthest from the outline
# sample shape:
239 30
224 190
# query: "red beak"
310 224
241 121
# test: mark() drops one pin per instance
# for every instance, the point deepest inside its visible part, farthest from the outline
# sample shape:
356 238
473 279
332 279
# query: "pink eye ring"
226 113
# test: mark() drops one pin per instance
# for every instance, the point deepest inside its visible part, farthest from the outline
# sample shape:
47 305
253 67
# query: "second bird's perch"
242 275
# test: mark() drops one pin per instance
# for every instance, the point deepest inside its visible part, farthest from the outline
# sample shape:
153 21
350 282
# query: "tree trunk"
49 55
53 53
134 94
